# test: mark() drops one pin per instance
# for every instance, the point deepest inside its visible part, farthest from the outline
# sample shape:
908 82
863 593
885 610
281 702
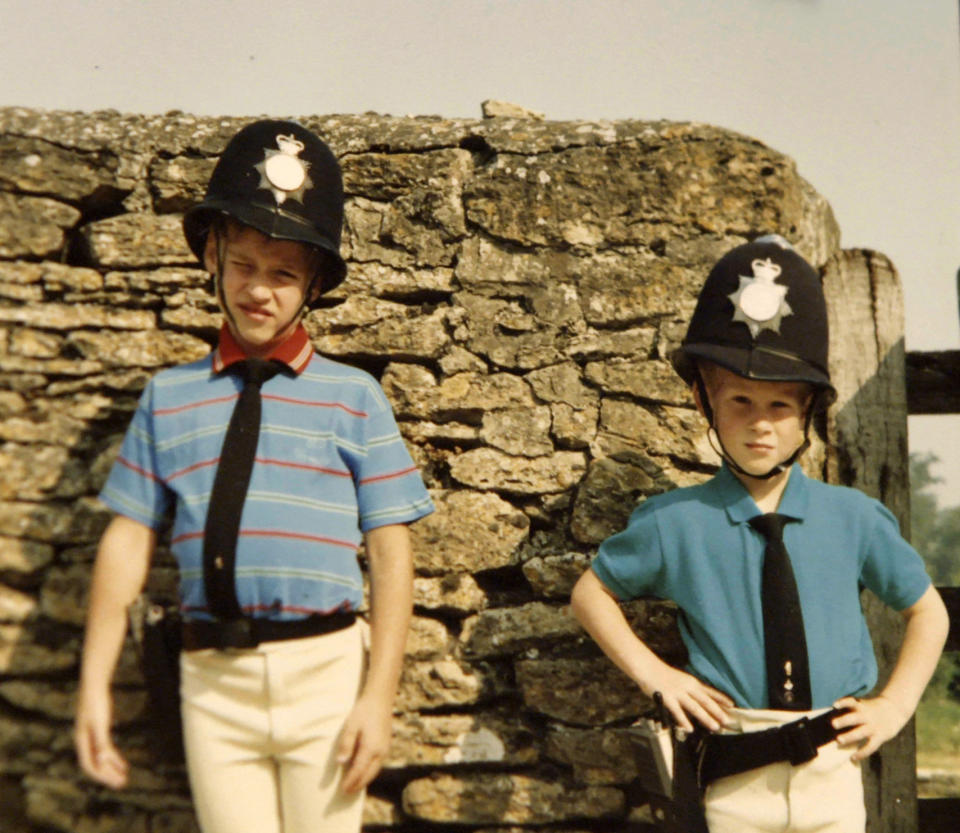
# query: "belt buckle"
237 633
799 745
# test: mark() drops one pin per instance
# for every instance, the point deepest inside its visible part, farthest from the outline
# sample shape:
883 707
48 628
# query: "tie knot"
257 371
770 526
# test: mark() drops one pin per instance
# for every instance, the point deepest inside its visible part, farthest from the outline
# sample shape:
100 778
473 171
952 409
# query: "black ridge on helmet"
762 315
281 179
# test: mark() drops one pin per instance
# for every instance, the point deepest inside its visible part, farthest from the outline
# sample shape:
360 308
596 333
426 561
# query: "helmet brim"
759 363
269 220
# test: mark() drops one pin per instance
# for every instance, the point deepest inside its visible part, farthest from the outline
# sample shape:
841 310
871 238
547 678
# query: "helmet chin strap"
779 468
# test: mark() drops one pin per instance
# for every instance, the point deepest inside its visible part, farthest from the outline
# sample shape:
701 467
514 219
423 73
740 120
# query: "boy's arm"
874 721
120 570
683 694
365 740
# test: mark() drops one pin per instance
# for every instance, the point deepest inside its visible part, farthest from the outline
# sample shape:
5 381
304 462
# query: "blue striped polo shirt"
330 465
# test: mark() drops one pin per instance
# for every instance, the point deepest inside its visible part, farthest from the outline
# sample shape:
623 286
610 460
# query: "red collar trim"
295 351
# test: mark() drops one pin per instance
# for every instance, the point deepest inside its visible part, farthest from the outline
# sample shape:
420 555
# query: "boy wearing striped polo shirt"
283 725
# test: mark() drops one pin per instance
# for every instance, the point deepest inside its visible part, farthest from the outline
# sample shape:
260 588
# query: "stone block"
499 798
363 326
511 630
553 576
469 532
130 241
415 394
581 692
33 227
149 348
457 739
487 468
453 591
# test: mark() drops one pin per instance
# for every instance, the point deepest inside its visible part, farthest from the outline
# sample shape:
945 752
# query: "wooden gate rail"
933 383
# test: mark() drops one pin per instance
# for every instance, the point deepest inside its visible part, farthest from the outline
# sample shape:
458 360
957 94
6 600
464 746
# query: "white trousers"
824 795
260 732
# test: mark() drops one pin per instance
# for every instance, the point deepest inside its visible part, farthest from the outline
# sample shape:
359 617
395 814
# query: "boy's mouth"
254 312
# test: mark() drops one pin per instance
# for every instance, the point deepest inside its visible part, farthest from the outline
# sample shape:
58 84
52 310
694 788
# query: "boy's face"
759 423
263 285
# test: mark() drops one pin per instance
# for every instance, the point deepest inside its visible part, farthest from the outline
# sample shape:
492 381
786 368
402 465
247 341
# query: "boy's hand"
871 723
98 756
686 697
364 743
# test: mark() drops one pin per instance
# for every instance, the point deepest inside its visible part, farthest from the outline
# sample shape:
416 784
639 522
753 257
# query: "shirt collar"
295 351
741 507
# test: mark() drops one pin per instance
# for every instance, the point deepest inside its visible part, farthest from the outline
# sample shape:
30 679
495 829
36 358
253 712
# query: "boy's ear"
695 388
210 252
315 290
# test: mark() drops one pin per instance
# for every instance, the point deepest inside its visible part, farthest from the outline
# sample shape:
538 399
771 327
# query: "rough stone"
523 433
21 655
441 684
511 630
648 380
129 241
582 692
451 591
553 576
562 383
373 327
70 317
487 468
415 394
15 606
22 556
608 494
597 756
469 532
33 226
448 740
151 348
52 277
427 639
495 798
493 108
32 166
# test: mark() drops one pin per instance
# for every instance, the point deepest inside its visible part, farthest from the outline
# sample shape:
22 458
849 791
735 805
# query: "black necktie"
230 490
788 670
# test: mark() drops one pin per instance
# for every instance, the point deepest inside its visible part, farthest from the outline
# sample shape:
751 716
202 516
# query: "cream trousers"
260 731
824 795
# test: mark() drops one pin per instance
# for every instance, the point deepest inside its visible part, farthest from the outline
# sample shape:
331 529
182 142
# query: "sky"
863 94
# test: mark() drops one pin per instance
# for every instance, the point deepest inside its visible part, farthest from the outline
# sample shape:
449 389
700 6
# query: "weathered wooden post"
867 449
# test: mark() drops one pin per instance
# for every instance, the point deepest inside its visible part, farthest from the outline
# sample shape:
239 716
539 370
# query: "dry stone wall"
516 285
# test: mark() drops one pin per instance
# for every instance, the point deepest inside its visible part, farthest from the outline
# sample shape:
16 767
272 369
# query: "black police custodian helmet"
282 180
761 314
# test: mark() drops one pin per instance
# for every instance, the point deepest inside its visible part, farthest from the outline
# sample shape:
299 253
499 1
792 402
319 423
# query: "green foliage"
935 532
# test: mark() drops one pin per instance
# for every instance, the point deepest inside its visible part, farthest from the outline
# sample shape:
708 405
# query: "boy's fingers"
347 746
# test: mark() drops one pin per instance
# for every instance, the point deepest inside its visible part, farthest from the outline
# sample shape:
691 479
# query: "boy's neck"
766 493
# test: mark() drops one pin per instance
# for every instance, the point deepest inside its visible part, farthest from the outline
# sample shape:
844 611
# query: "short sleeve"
892 569
134 487
629 562
389 486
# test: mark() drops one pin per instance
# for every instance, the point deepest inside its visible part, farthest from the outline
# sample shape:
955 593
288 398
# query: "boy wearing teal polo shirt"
766 567
277 463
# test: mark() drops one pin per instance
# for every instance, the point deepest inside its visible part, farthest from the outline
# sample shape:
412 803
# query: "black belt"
249 633
796 742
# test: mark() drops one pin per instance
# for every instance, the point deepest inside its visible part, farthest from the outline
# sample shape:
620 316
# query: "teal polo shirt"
695 546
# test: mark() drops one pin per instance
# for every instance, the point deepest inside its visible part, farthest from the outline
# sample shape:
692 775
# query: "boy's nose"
257 288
